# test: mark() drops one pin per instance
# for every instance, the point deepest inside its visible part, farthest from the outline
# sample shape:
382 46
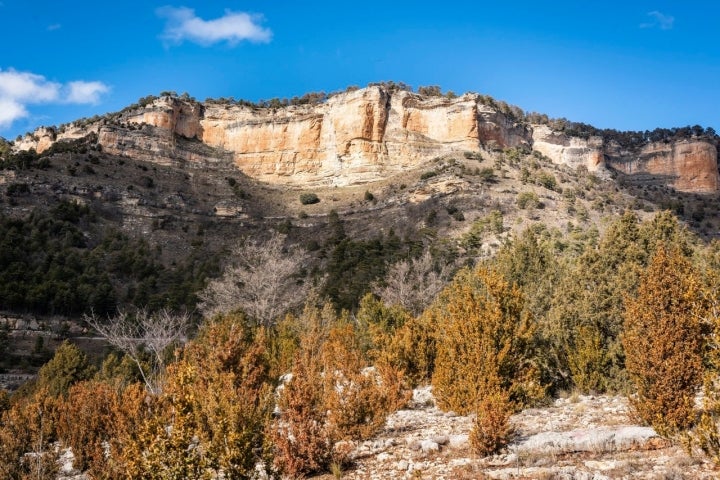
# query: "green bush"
528 200
69 365
487 174
547 180
309 198
473 156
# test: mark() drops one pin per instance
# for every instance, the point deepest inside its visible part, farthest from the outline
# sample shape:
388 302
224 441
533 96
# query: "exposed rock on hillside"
582 437
366 135
686 165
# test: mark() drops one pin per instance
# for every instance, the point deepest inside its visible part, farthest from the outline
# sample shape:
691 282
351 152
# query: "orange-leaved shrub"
211 416
491 430
484 360
706 434
332 394
303 440
485 341
93 420
663 341
27 433
358 397
397 339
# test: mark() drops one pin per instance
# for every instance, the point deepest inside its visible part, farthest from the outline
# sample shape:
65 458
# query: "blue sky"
626 65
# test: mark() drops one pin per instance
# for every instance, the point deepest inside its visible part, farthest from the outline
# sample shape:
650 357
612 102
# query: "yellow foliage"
491 429
331 395
27 429
664 343
484 338
211 416
589 360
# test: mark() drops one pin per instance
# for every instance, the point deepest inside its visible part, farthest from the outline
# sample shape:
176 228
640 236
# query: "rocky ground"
579 437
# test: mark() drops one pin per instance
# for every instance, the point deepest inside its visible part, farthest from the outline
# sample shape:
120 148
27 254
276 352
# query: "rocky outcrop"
40 140
366 135
354 137
571 151
689 165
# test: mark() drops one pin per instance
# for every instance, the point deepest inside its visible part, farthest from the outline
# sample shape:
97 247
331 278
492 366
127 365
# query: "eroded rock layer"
365 135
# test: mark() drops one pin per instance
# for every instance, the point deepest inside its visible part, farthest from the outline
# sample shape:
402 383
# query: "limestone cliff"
689 165
354 137
365 135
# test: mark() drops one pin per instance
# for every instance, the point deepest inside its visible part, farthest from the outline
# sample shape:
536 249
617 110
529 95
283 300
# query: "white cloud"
54 26
10 110
27 87
659 20
85 92
20 89
234 27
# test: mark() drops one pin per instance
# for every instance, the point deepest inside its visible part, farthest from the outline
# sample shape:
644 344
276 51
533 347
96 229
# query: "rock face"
686 165
365 135
354 137
570 151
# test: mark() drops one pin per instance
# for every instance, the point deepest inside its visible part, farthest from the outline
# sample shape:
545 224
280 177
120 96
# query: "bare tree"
413 284
263 281
145 338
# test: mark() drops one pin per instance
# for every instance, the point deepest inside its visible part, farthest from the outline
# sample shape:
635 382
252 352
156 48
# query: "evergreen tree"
663 342
68 366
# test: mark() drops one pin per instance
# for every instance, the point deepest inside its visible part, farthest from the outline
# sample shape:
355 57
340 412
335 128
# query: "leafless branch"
414 284
262 281
144 334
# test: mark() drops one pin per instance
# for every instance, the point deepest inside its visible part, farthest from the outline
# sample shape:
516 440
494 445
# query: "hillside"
167 186
571 235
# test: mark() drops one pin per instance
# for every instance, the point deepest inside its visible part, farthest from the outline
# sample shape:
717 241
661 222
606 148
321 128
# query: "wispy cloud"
54 26
85 92
20 89
233 27
659 20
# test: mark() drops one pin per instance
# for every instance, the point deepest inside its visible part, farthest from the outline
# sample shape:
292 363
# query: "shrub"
546 180
15 189
309 198
369 197
491 429
487 343
663 342
487 174
69 365
26 433
528 200
411 349
331 395
212 414
492 222
302 438
88 423
358 397
428 174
